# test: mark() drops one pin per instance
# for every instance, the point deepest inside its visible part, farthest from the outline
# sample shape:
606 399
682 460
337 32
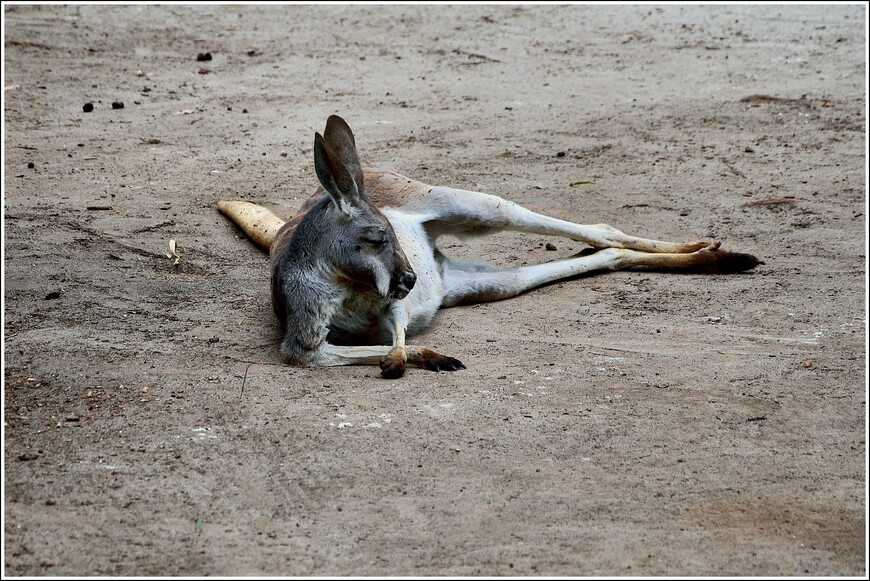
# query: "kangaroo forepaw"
392 366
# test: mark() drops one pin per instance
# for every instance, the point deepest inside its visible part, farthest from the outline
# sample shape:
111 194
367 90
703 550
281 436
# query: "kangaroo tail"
260 224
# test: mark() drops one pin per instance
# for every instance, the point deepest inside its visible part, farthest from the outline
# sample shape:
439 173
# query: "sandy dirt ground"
632 423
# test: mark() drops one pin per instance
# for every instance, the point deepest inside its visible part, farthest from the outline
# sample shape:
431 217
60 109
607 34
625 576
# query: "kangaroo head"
364 247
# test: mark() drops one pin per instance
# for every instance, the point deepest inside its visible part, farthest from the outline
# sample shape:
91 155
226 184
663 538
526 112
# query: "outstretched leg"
392 360
467 213
464 284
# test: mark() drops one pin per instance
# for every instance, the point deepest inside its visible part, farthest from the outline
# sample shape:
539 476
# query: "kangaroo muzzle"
402 285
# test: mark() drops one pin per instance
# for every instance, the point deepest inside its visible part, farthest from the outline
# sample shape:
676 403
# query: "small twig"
154 227
475 56
773 202
244 379
107 238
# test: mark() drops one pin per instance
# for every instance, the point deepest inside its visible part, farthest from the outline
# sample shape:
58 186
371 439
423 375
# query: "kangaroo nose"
409 279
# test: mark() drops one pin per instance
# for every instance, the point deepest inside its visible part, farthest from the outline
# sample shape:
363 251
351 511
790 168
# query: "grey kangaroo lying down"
358 269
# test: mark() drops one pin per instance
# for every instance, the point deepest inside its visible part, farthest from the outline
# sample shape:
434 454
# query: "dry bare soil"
634 423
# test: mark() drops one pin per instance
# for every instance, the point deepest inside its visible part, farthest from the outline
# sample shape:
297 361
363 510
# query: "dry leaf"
172 249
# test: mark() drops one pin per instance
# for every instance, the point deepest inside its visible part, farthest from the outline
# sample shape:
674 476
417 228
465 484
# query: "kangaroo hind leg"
466 285
468 213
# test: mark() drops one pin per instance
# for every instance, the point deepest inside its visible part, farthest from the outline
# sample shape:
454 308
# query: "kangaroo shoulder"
388 189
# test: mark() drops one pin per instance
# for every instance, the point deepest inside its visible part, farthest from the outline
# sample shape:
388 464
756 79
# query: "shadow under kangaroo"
358 268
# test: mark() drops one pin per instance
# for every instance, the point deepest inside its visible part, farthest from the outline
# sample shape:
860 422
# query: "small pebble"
550 247
30 165
561 154
117 105
88 107
203 56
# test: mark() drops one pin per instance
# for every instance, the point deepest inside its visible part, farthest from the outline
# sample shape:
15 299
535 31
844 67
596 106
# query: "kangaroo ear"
334 177
339 139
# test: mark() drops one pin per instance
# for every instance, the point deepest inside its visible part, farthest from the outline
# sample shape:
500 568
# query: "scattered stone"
203 56
550 247
30 165
27 456
561 154
117 105
52 295
88 107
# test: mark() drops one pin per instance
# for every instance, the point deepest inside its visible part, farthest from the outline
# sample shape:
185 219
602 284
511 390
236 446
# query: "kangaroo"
357 270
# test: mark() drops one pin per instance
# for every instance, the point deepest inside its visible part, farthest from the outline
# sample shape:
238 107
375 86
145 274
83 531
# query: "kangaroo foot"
436 362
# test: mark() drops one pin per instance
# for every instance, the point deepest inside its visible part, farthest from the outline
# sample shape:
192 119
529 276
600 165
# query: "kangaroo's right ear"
335 177
339 139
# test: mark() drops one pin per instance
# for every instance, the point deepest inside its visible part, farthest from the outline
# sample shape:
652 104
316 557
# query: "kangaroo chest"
361 317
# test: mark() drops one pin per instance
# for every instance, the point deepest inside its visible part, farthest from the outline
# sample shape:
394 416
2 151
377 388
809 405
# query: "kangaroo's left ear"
335 177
